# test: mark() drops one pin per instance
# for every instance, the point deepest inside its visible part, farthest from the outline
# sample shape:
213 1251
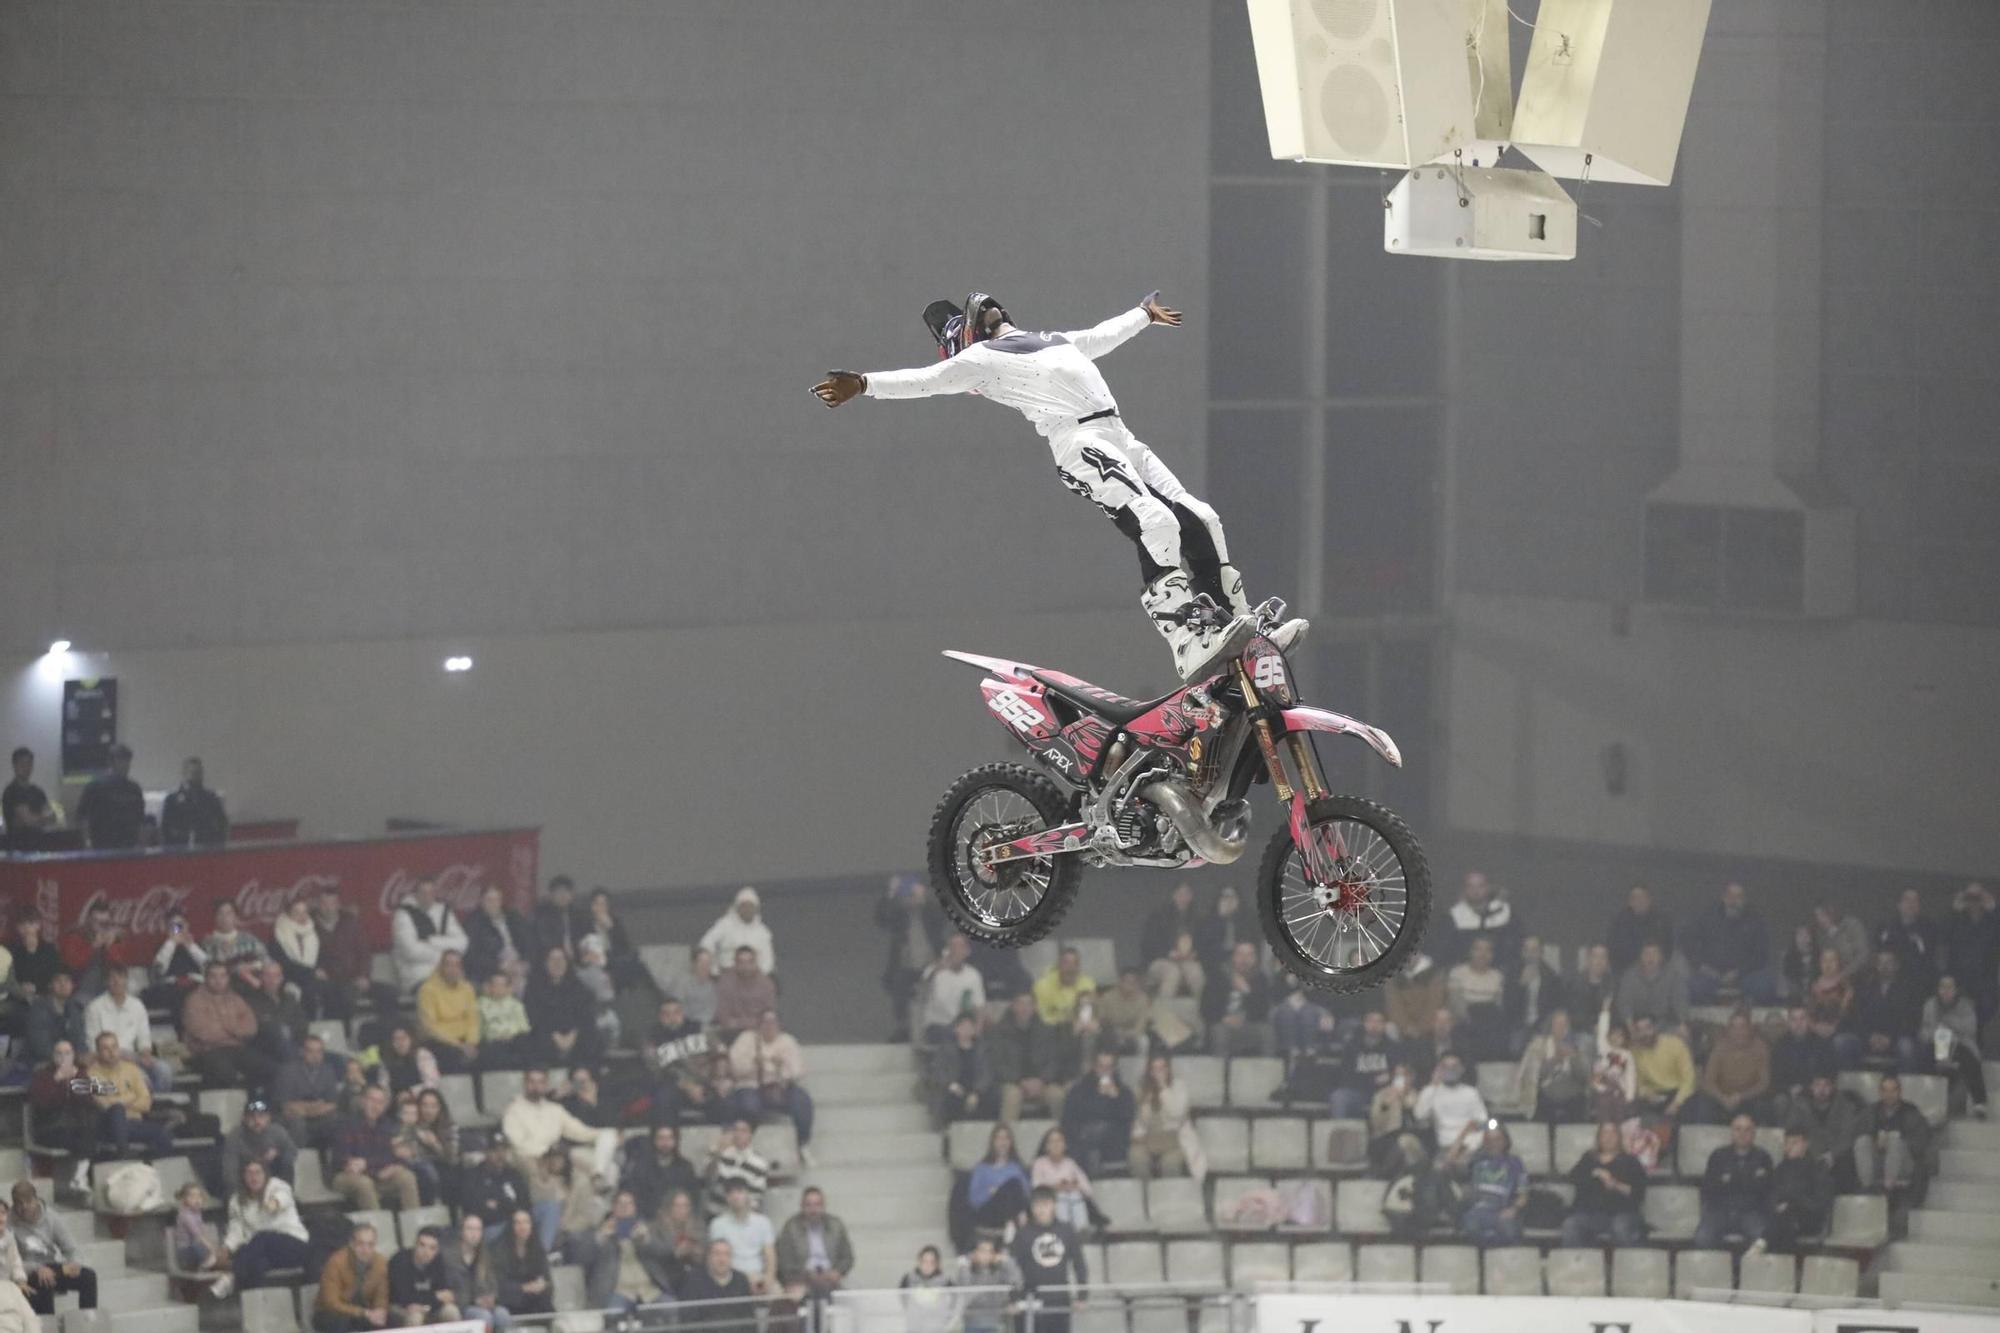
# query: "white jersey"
1046 377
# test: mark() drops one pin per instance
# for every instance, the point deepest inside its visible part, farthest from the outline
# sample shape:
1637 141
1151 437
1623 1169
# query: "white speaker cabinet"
1374 83
1609 80
1479 213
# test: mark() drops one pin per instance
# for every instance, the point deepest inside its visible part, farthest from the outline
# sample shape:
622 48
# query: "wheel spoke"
1007 892
1343 897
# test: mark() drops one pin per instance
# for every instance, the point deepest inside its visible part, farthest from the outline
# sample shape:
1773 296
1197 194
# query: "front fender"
1319 719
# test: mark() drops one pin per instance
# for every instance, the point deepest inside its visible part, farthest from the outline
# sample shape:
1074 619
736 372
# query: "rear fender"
1319 719
1023 707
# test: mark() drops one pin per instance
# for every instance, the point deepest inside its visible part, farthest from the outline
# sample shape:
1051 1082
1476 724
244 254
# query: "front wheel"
1351 919
1013 903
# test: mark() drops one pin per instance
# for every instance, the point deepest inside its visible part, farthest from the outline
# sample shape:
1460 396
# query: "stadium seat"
498 1087
1320 1208
1456 1266
409 1223
1121 1199
269 1310
81 1321
1279 1143
1196 1261
1228 1191
1099 957
1702 1270
384 1223
667 964
1226 1141
226 1105
965 1142
1696 1143
1385 1263
1569 1144
1157 1314
1039 957
1323 1261
1929 1093
1830 1277
1672 1211
1357 1208
1860 1221
1133 1263
1495 1080
778 1141
1254 1079
1100 1317
1516 1270
461 1098
174 1172
332 1033
1252 1262
1204 1076
1027 1136
1531 1145
1340 1145
1576 1272
1175 1204
1641 1273
1767 1272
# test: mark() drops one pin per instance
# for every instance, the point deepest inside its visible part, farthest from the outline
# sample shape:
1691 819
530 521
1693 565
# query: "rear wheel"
1013 903
1348 917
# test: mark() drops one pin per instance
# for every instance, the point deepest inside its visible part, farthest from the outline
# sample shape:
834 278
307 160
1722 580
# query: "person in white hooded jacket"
424 930
742 927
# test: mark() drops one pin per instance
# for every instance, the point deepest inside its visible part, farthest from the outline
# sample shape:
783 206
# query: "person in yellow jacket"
124 1096
353 1287
1663 1066
448 1013
1061 989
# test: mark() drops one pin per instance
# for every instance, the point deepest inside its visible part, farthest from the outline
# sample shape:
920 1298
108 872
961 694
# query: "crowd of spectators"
110 811
546 994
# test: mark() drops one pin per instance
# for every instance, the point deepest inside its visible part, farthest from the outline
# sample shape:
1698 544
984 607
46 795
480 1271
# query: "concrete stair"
1899 1288
1959 1196
1968 1164
1948 1260
838 1150
902 1118
878 1157
1981 1135
107 1257
1935 1226
844 1088
134 1291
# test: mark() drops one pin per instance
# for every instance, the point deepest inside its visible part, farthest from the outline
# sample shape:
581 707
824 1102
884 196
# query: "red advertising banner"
372 874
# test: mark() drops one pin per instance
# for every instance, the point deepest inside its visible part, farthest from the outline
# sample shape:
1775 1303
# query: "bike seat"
1115 708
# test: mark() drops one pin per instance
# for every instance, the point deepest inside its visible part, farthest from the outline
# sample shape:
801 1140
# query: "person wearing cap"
742 926
258 1139
113 808
493 1187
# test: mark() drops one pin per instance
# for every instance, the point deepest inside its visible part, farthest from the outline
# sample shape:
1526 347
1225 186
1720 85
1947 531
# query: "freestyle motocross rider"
1051 379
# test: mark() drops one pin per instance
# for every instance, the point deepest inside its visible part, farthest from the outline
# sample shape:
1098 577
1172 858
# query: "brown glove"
839 386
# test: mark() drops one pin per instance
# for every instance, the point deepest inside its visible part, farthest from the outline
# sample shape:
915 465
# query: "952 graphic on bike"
1343 888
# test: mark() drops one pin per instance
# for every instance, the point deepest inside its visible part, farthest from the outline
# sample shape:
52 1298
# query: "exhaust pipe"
1219 843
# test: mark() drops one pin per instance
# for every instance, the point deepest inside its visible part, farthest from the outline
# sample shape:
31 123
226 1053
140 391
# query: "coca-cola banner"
372 874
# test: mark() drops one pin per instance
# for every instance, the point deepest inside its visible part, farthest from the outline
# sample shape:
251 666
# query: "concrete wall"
335 338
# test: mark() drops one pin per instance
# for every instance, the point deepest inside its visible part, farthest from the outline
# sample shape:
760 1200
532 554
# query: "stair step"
1968 1164
906 1182
1936 1226
1963 1197
107 1257
837 1150
883 1254
1939 1288
134 1291
865 1088
903 1117
872 1058
1950 1260
1983 1135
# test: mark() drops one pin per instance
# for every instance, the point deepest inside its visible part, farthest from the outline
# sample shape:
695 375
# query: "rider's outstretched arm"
958 375
1095 341
1098 339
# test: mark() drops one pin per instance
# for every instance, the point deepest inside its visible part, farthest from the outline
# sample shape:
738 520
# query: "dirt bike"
1343 889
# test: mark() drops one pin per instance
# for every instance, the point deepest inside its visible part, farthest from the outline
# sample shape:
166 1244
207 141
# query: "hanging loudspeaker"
1374 83
1609 81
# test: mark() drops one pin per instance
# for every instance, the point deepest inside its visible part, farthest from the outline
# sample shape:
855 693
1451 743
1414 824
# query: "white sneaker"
222 1286
1757 1246
806 1158
79 1176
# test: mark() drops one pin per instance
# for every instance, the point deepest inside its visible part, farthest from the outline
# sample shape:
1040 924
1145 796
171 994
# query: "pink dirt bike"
1343 890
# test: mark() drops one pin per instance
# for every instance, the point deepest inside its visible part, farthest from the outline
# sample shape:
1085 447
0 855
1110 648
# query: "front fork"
1319 856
